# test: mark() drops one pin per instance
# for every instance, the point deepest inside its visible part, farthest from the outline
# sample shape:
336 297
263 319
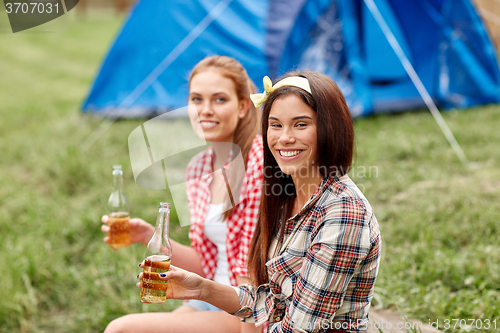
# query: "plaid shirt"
324 273
242 221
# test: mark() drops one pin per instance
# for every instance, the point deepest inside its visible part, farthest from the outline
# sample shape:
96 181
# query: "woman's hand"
181 284
140 230
186 285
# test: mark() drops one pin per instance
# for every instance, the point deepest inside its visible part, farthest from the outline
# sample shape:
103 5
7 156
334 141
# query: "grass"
439 220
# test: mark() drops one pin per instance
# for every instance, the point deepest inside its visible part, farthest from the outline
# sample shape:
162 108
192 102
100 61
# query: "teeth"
289 153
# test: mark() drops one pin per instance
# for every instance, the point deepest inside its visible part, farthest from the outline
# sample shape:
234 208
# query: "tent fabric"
147 67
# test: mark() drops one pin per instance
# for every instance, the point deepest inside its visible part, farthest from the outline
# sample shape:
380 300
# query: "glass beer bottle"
157 260
118 210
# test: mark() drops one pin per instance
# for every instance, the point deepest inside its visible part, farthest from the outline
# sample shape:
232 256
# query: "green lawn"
439 220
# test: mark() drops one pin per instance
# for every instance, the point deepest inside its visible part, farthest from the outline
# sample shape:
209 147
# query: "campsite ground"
439 220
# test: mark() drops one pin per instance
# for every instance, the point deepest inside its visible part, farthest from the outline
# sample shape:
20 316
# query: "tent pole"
155 73
417 82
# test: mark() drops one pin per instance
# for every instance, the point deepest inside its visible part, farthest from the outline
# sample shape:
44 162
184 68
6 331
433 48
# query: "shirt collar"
325 183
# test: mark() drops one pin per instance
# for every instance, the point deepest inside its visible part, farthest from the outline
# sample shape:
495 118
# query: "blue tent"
374 49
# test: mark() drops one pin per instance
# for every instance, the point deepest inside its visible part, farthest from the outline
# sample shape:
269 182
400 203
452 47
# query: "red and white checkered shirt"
242 221
323 275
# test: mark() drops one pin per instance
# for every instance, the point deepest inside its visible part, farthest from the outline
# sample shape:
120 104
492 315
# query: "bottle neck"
160 243
117 180
162 223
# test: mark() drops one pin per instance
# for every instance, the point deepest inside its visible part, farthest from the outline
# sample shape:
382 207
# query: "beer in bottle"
157 260
119 231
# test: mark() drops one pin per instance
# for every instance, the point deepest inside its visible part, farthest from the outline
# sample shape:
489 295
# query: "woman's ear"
244 107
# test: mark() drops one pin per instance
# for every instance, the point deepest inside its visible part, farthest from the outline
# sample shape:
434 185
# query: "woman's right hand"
181 283
140 230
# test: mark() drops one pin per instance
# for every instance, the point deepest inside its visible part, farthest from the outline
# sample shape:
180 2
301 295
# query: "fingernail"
163 274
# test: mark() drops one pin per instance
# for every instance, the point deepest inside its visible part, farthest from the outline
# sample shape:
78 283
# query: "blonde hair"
248 126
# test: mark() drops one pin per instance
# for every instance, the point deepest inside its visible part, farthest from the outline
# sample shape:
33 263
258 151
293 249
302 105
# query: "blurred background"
437 214
488 10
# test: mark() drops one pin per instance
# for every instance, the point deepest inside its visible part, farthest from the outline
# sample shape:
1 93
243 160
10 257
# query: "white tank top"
215 229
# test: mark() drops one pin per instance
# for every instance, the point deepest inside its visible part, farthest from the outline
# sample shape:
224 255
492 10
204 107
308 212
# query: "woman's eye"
275 125
301 125
220 100
195 99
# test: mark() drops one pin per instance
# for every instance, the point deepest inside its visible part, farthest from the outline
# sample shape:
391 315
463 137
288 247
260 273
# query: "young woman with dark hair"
315 254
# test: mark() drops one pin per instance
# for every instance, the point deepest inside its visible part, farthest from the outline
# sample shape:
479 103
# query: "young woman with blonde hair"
223 198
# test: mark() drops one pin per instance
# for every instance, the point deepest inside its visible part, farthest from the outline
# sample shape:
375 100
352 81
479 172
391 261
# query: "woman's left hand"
181 284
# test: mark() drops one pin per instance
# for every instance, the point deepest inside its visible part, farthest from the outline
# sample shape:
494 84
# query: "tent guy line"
162 66
418 83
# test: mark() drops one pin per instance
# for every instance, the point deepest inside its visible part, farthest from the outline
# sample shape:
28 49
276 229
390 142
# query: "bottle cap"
164 205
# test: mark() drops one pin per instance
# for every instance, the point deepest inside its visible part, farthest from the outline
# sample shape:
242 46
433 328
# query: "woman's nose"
205 108
286 137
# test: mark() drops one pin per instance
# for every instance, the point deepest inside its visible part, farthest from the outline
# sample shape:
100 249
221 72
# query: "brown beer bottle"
118 210
158 255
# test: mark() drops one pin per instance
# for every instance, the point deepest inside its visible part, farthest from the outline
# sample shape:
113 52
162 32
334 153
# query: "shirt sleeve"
245 293
341 242
251 298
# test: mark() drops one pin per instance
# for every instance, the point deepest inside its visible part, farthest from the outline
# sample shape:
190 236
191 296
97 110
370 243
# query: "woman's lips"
208 124
289 154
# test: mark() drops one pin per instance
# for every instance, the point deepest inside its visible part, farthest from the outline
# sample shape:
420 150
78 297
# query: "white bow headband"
296 81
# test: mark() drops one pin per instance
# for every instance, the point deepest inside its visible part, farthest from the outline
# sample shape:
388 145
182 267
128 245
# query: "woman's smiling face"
292 136
217 107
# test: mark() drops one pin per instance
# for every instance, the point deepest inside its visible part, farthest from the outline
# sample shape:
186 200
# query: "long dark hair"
335 146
